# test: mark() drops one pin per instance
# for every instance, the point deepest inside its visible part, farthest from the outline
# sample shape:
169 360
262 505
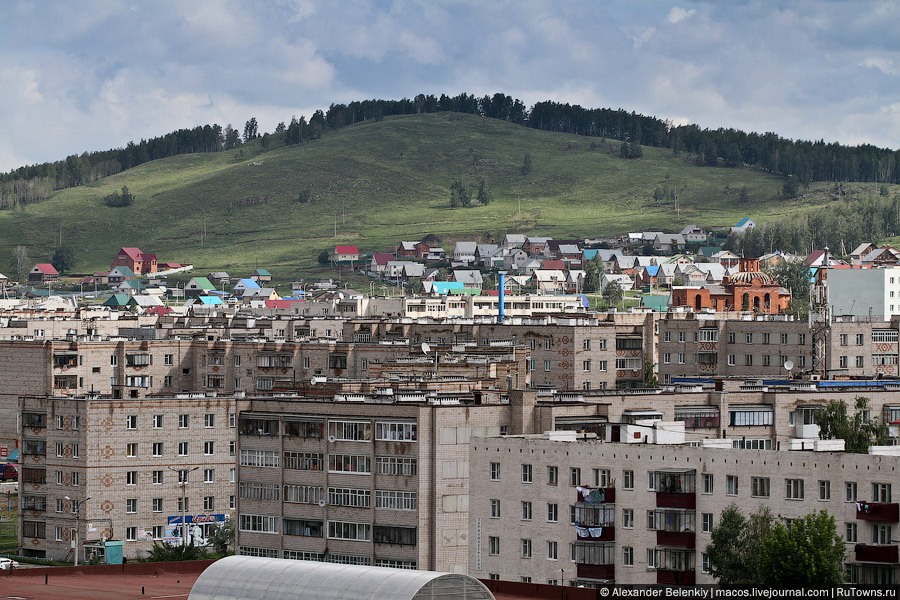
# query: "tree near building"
593 272
613 293
808 552
727 552
857 430
63 259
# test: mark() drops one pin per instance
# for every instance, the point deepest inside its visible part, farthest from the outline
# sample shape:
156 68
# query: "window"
495 471
628 479
257 523
881 534
232 419
793 489
209 475
397 465
731 485
209 503
349 463
184 504
748 337
130 505
76 478
881 492
732 337
168 359
131 450
552 512
705 562
586 344
157 504
183 421
356 431
548 365
575 476
552 475
495 508
860 362
209 420
860 339
552 551
760 415
263 458
627 556
601 477
493 545
157 448
651 519
628 518
300 494
667 358
759 487
731 360
586 365
748 360
851 533
396 431
844 338
526 473
157 532
131 478
706 522
157 421
651 558
824 490
526 510
157 477
842 362
850 491
130 534
131 422
209 448
667 336
765 338
396 500
526 548
182 448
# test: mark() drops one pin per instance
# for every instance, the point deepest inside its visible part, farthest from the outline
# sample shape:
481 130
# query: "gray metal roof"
250 578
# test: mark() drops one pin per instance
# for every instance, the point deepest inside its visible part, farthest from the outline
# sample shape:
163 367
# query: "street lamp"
182 481
77 504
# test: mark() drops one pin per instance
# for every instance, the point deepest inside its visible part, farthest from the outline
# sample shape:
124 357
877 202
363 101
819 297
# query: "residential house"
648 237
140 262
219 278
198 286
242 286
647 276
666 274
881 257
669 242
43 273
515 259
512 241
406 250
693 235
470 279
625 282
488 255
119 274
726 258
464 253
530 266
379 263
548 281
570 254
259 295
774 259
443 288
536 246
555 249
743 225
345 254
404 269
261 275
860 251
575 281
435 254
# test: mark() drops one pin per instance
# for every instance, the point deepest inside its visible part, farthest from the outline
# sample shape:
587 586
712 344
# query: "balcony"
605 572
601 495
878 512
876 553
671 577
675 488
806 431
677 539
595 534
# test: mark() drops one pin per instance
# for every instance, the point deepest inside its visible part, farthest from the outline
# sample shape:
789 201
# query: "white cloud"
885 65
678 14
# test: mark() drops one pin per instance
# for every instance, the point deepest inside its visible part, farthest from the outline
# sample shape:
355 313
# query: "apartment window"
844 338
627 556
667 358
706 522
184 504
881 492
526 548
157 448
851 533
494 576
765 338
586 365
651 558
130 477
794 489
258 523
495 508
157 532
552 551
552 475
167 381
651 519
732 360
748 338
628 518
602 367
732 337
493 545
759 487
548 365
131 450
628 479
157 504
824 490
209 420
168 359
182 448
526 473
130 505
209 475
131 422
881 534
232 420
157 477
860 339
114 360
526 510
75 451
130 534
681 358
349 463
575 476
767 360
748 360
552 512
209 448
157 421
850 491
183 421
705 562
731 485
601 477
586 344
209 503
232 446
667 336
843 362
59 449
783 337
707 483
681 336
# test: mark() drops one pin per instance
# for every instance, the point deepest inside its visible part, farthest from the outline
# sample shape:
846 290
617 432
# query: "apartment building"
868 293
586 512
129 468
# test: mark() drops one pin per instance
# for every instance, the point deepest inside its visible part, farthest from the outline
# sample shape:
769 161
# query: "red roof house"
135 259
43 273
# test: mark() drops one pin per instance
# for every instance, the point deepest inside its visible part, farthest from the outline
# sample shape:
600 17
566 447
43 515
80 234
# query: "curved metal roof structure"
251 578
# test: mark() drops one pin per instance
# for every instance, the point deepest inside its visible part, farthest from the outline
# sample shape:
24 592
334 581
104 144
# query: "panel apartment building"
587 512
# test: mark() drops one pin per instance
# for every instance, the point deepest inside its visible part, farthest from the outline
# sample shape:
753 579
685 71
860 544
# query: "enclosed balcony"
595 560
676 528
600 495
878 512
881 553
675 488
675 566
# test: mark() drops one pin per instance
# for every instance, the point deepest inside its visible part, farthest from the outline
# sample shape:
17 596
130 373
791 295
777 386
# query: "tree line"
806 161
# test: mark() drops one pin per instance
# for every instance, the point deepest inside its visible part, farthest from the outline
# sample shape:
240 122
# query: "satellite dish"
331 439
426 348
788 365
322 503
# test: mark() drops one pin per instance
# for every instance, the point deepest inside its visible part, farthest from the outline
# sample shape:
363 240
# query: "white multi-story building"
872 293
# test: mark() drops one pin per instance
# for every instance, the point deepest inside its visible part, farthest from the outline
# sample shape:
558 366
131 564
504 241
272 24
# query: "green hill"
377 183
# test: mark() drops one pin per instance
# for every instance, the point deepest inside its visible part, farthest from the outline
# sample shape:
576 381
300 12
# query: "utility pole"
182 481
77 505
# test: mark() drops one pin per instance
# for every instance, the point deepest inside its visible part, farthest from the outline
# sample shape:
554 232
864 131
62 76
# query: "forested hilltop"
800 162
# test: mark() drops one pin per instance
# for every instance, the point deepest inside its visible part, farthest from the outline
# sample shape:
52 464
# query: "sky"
96 74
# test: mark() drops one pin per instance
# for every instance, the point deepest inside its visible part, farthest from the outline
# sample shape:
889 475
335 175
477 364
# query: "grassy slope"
380 182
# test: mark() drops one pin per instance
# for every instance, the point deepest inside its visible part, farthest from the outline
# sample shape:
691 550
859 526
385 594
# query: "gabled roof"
246 284
408 246
262 272
209 300
148 256
548 275
485 250
691 229
132 252
569 249
121 271
117 300
553 264
443 288
744 222
346 250
259 293
863 249
652 270
465 248
468 276
382 258
201 283
45 269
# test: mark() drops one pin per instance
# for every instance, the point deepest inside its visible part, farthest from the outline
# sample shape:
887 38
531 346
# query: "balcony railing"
676 539
876 553
878 512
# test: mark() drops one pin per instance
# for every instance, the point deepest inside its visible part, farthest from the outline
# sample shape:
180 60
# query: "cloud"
885 65
678 14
